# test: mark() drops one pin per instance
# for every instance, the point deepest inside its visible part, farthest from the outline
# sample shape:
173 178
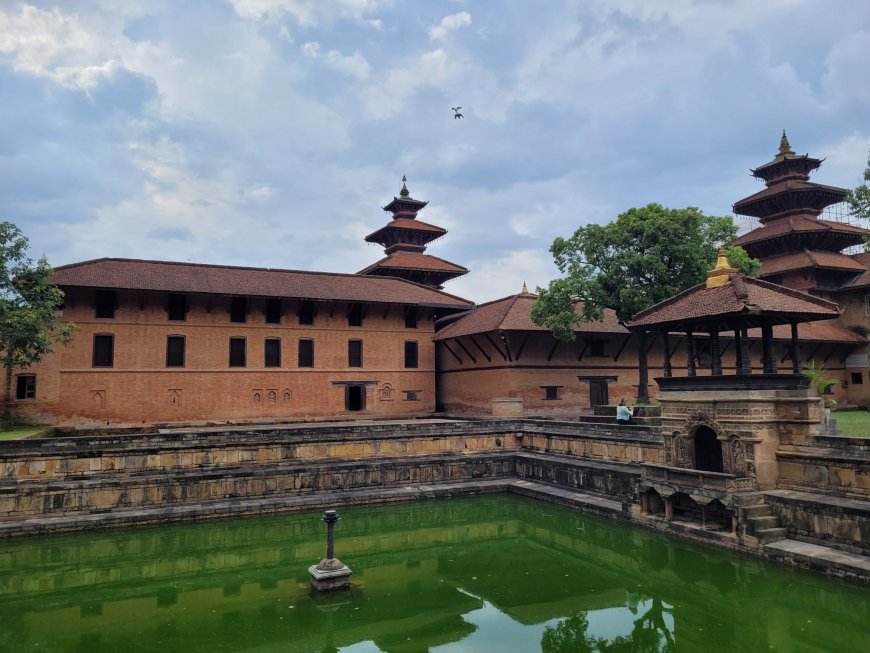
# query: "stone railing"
695 478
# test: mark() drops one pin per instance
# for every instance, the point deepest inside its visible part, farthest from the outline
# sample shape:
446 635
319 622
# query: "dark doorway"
355 397
598 392
708 450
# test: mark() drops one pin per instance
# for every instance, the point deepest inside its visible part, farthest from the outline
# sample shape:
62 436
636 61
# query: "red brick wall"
140 388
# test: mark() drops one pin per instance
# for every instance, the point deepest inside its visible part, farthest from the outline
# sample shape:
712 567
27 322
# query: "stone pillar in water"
330 573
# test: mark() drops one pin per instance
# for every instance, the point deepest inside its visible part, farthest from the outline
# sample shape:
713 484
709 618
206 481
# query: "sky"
270 133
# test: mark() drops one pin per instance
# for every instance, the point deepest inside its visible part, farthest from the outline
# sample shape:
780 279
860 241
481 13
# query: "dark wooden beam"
553 350
495 346
507 344
463 348
583 351
831 353
815 351
386 311
621 347
453 353
480 349
523 344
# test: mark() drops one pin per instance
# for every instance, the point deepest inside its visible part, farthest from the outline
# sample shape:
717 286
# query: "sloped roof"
862 280
415 261
809 259
170 276
742 296
747 206
799 223
513 313
405 224
813 332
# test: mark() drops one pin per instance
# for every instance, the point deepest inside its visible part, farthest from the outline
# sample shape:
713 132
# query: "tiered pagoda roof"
404 239
792 239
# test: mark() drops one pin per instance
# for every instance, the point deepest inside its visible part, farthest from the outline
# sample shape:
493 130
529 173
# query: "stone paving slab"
820 556
847 504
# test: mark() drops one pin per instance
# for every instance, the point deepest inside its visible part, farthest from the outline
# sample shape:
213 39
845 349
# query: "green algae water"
497 573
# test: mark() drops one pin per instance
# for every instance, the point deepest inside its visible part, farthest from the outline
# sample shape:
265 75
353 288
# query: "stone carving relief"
256 397
273 396
386 392
98 398
287 397
175 397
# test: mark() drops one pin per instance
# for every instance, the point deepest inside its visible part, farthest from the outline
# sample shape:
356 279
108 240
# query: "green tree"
29 305
858 198
645 256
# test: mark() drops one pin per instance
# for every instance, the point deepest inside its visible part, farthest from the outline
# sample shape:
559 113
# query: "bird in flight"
456 113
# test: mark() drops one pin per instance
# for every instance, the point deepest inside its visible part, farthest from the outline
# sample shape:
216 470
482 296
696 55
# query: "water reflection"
483 574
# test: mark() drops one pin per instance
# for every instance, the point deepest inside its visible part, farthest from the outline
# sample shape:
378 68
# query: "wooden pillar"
667 347
795 350
715 353
744 365
768 355
690 354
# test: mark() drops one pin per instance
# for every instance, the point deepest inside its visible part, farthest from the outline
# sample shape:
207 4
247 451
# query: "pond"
494 573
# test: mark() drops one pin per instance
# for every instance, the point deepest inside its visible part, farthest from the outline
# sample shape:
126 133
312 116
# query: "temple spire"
722 273
404 192
525 290
784 147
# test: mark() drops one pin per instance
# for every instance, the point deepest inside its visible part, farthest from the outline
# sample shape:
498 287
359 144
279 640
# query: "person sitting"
624 413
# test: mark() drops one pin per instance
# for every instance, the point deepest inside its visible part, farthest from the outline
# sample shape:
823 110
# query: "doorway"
598 392
355 398
708 450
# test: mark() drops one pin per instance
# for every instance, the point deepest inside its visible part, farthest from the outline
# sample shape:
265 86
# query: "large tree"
29 320
643 257
858 198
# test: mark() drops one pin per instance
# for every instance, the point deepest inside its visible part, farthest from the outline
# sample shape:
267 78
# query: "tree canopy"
640 259
858 198
29 321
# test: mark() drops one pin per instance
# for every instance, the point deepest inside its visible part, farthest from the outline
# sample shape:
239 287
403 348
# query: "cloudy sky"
270 132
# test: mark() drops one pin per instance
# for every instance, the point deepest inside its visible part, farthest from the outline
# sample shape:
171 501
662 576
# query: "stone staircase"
763 524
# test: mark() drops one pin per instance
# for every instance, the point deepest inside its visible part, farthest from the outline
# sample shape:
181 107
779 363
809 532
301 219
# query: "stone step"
820 557
763 523
758 510
768 535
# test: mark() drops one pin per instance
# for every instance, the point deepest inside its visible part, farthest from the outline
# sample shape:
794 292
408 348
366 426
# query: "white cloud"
55 45
354 65
449 23
307 13
493 278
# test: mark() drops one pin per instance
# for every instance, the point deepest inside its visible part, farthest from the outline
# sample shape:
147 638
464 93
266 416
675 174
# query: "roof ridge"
824 303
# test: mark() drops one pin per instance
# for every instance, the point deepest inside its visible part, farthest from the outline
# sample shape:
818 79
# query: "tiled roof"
799 223
415 261
745 206
514 314
258 282
741 296
809 259
405 224
863 280
813 331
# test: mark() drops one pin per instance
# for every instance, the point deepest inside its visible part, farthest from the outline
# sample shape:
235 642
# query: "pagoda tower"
795 247
404 239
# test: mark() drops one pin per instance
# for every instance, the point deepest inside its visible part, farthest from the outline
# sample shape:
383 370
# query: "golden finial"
404 192
525 290
722 273
784 147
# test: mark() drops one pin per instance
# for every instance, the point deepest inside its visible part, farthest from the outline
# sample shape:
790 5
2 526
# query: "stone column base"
335 577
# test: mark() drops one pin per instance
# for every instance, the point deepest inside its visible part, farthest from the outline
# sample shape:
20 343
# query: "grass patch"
854 423
20 432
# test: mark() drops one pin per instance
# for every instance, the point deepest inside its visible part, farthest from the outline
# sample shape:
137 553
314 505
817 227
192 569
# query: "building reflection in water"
489 573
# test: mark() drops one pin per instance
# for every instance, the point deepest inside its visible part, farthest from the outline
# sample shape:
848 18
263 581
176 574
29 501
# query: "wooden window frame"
244 352
170 361
238 304
174 302
412 361
306 358
272 359
100 362
26 390
354 353
105 304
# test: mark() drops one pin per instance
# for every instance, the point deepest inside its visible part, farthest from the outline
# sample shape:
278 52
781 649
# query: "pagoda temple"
404 239
795 247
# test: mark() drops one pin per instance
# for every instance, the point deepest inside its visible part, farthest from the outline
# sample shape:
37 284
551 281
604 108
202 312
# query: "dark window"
410 353
104 350
104 303
857 378
596 348
411 317
355 397
239 309
175 351
411 395
306 312
306 353
176 307
25 386
355 315
272 352
829 390
273 311
354 353
238 353
551 392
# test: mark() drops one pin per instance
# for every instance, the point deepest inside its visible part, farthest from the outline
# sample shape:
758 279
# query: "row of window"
104 352
106 304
